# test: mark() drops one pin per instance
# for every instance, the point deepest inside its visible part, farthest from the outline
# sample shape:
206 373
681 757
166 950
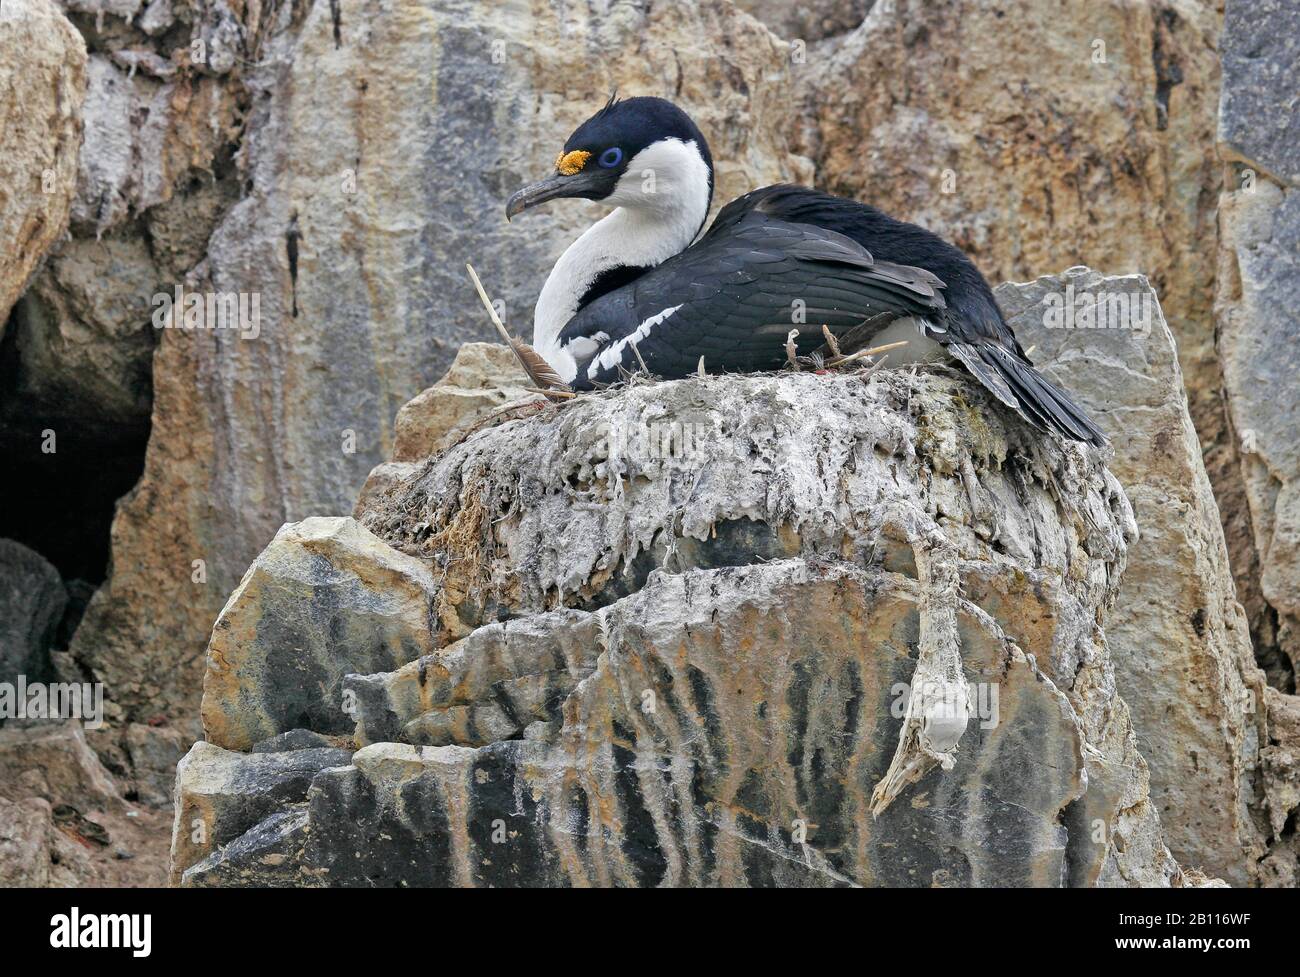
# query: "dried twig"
644 368
529 359
863 353
831 341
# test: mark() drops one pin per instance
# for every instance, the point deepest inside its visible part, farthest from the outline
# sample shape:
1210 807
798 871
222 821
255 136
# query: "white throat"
660 203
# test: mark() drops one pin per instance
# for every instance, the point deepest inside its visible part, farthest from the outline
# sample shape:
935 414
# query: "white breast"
660 204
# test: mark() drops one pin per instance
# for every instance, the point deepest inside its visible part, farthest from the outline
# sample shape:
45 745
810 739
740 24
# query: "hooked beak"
592 186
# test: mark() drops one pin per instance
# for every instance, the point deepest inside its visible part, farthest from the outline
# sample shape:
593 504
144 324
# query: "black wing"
733 297
771 263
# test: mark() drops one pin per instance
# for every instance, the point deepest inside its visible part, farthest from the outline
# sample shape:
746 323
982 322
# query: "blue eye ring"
611 157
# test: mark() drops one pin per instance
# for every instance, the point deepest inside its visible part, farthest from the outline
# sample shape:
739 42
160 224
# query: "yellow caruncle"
571 163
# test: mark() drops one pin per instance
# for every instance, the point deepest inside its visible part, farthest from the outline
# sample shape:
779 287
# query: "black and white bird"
774 257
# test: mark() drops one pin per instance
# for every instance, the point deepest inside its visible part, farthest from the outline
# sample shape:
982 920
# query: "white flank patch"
920 347
614 354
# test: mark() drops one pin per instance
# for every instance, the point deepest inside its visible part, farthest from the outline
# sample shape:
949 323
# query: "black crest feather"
613 100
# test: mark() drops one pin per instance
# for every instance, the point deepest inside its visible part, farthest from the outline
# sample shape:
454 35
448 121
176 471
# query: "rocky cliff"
793 629
340 161
631 639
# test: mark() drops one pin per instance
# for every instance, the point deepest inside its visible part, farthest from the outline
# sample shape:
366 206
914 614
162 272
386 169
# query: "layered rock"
1178 637
32 602
1259 269
325 599
699 633
1037 138
42 87
1258 277
220 794
379 147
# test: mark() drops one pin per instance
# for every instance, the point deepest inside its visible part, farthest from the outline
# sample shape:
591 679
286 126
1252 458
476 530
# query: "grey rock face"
1256 289
849 645
220 795
1260 51
1259 272
1178 637
32 600
371 168
324 599
267 855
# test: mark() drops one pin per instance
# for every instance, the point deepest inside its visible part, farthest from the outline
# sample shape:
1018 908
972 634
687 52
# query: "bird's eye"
611 157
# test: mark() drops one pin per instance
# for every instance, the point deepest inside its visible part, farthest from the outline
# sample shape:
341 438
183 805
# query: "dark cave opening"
62 474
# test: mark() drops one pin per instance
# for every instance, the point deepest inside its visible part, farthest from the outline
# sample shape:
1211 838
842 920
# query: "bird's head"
641 153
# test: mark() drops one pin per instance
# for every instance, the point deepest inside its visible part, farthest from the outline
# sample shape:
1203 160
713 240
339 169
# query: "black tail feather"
1041 402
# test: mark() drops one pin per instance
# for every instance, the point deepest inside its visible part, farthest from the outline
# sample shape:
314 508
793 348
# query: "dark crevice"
1168 71
63 474
336 15
291 237
1279 672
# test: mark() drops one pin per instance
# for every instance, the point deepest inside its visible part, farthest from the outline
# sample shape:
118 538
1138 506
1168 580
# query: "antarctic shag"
635 279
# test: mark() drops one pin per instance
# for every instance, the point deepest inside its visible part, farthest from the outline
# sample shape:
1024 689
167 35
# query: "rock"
25 829
483 377
52 760
807 22
220 794
358 211
294 739
1178 637
85 339
689 660
32 601
324 599
42 87
1004 130
473 692
771 655
1259 219
1260 53
142 758
267 855
85 332
1280 758
143 138
1259 239
154 752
